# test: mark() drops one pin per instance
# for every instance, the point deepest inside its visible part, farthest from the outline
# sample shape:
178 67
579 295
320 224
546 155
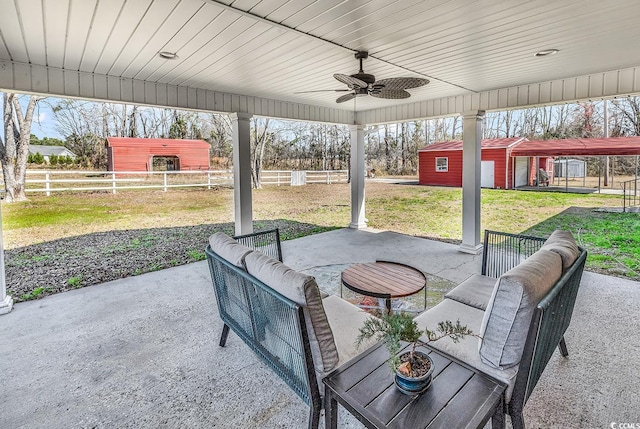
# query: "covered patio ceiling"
254 56
262 57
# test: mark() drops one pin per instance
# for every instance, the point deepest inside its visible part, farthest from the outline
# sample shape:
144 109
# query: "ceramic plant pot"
415 385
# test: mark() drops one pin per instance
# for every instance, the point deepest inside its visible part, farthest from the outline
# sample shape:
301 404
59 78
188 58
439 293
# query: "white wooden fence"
49 181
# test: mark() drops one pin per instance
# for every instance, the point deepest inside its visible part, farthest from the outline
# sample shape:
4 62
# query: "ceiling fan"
362 83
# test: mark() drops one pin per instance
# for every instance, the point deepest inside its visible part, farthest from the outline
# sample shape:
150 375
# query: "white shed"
571 167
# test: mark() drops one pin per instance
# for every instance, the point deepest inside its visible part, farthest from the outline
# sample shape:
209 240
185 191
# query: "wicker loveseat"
520 305
281 314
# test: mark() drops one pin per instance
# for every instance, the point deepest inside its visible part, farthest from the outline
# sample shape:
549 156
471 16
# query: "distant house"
137 154
440 164
47 151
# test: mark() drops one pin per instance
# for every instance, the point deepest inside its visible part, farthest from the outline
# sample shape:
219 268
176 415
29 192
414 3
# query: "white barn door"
522 171
487 173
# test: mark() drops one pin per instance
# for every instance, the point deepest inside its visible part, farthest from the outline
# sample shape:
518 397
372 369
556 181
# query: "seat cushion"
466 349
474 291
303 290
508 315
229 249
563 243
345 320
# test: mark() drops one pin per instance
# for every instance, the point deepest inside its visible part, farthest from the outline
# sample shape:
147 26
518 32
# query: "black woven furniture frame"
267 242
503 251
272 325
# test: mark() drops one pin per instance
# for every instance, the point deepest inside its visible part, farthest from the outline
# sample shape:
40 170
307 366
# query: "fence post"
328 178
208 179
47 183
165 181
113 182
278 176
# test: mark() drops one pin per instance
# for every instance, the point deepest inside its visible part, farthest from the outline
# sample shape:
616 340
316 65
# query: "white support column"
471 164
358 220
6 302
241 136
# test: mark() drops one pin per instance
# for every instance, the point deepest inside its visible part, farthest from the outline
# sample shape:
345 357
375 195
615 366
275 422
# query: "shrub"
35 158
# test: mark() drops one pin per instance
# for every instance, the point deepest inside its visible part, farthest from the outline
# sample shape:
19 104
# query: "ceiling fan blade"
399 83
392 94
350 81
345 97
322 90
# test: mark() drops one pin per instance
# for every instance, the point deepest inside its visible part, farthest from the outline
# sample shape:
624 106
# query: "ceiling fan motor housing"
365 77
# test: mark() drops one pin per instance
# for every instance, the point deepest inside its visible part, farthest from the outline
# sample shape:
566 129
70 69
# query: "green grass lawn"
612 239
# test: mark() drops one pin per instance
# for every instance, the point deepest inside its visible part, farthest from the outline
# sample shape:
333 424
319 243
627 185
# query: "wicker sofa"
521 306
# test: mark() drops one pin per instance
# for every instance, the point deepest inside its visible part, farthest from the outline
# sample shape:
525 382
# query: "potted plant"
413 369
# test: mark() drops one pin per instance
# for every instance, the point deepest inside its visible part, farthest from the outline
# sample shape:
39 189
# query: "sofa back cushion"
563 243
303 290
229 249
514 299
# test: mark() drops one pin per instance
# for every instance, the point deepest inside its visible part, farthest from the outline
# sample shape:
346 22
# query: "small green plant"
196 255
396 327
75 282
32 294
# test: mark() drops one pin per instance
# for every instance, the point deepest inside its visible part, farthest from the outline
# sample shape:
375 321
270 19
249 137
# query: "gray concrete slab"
351 246
143 351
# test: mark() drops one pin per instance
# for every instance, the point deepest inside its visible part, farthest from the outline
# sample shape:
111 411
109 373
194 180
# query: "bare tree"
14 150
86 126
260 137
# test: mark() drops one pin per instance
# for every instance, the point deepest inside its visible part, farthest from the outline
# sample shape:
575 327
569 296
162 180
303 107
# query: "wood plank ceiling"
276 48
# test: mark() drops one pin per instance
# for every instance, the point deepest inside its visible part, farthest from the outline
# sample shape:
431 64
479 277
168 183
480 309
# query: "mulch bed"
43 269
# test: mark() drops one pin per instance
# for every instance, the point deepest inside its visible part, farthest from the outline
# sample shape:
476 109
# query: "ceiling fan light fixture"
166 55
546 52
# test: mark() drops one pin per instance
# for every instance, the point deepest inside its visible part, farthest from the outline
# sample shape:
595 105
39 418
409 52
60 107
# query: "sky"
44 124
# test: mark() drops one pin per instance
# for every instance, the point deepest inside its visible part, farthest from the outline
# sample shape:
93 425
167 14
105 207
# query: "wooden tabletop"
383 279
459 396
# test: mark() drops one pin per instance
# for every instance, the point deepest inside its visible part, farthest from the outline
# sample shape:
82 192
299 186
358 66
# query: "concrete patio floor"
143 351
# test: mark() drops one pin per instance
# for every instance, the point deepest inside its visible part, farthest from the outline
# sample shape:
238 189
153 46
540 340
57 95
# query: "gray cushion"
303 290
345 320
229 249
506 320
465 350
563 243
474 291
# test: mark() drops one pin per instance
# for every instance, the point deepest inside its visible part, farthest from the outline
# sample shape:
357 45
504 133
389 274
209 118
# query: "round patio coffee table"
386 280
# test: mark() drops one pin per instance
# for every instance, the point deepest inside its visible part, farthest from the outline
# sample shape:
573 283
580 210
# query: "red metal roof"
486 144
129 141
579 147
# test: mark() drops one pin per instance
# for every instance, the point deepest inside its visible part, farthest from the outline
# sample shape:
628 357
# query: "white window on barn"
442 164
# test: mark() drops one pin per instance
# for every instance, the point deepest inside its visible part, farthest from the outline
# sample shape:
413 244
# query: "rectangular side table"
459 396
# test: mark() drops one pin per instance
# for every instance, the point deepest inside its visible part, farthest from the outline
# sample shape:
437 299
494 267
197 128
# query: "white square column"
471 175
242 202
6 302
358 220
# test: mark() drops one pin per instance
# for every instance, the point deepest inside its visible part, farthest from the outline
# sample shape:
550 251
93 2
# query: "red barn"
440 164
134 154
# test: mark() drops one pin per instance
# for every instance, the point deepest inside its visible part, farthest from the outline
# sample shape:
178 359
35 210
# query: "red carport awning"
579 147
